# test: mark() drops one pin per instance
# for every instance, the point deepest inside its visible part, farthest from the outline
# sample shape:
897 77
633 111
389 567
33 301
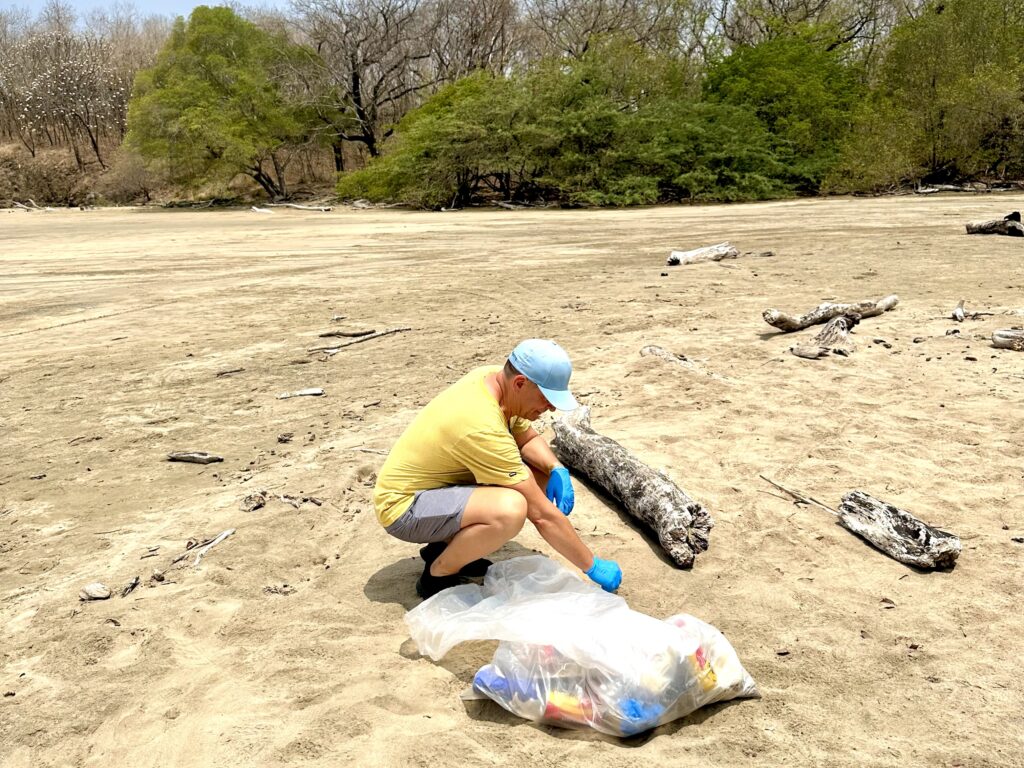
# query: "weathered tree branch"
682 524
825 312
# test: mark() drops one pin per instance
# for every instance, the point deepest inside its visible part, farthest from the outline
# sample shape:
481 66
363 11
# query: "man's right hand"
606 573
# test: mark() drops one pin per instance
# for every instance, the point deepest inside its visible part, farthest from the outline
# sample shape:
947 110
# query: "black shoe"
473 570
428 585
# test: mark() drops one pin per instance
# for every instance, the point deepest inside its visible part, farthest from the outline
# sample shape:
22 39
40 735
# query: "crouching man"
470 470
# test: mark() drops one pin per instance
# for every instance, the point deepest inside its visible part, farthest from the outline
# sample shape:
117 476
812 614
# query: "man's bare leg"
492 517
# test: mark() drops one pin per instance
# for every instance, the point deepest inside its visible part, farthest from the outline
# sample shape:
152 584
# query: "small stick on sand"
312 392
800 496
346 334
211 545
329 351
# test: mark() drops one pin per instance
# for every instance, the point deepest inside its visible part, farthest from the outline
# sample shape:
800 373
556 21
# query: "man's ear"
519 381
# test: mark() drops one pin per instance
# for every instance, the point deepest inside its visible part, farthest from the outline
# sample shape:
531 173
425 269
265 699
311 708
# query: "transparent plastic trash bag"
575 656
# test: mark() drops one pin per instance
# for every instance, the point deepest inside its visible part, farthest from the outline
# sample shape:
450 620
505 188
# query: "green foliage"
952 84
799 87
211 107
616 127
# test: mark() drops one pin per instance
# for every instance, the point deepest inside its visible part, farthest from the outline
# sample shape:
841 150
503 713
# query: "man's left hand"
559 490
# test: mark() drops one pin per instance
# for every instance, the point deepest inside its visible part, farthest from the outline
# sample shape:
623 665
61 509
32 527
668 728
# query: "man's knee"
510 512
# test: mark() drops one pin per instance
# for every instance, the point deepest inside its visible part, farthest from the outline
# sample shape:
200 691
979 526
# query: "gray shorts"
434 515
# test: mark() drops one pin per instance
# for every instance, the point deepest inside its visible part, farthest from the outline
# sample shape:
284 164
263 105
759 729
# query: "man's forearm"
554 526
559 533
538 454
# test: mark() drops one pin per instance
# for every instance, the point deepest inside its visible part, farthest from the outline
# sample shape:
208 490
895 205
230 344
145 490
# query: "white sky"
145 7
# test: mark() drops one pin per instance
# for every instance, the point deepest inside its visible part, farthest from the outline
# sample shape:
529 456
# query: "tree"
802 91
211 107
373 60
958 70
617 126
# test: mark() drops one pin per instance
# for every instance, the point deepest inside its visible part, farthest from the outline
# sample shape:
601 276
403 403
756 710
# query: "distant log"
898 533
825 312
320 208
682 524
707 253
1008 338
1008 225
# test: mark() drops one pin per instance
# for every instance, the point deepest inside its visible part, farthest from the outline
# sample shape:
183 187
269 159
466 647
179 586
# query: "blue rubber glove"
606 573
559 490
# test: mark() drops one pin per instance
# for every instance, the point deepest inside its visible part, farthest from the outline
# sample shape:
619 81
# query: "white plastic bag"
576 656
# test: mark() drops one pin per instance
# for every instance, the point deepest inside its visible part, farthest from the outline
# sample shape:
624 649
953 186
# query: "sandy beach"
126 334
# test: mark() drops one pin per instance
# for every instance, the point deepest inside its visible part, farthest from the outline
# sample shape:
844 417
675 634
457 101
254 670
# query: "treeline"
450 102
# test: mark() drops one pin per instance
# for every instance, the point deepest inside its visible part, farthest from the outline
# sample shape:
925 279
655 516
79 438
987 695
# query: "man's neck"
495 384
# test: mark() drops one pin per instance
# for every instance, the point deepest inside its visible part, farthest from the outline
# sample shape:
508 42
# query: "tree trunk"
264 181
898 533
339 156
282 185
682 524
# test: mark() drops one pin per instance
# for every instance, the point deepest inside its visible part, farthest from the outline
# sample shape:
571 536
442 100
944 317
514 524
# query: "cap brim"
562 399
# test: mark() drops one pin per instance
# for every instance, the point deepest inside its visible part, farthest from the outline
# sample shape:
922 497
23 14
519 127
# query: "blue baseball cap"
547 365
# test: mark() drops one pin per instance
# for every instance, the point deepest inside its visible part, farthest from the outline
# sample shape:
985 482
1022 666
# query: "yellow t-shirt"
461 437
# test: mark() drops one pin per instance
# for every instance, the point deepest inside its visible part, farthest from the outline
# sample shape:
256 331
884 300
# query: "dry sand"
114 325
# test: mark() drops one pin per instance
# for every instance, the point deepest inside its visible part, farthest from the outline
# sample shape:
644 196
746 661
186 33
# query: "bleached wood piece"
958 313
211 545
320 208
825 312
194 457
898 533
257 209
335 349
311 392
809 351
652 350
681 524
836 333
706 253
1008 338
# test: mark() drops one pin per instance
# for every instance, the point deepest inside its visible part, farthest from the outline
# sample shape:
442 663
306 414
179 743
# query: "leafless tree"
374 59
471 35
569 27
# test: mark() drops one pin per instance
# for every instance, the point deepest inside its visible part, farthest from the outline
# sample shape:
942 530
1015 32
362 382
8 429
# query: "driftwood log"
825 312
1008 338
320 208
898 533
681 524
707 253
1008 225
